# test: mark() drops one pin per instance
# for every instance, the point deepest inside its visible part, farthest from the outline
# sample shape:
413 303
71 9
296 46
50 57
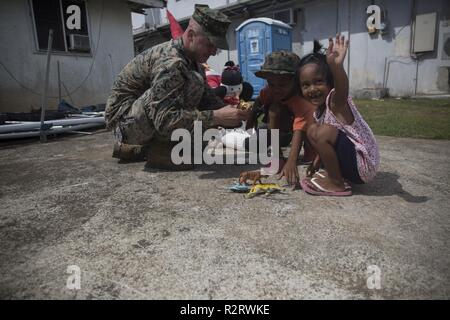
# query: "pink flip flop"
311 186
322 173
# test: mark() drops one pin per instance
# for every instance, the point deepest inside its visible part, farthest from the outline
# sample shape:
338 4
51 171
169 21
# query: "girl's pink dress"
367 154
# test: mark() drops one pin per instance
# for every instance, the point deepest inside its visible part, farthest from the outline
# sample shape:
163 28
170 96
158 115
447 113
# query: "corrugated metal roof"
138 6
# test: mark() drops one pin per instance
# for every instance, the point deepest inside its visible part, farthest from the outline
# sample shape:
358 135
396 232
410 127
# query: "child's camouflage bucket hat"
280 62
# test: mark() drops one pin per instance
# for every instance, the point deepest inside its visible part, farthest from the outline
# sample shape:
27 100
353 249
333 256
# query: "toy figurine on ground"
265 189
254 176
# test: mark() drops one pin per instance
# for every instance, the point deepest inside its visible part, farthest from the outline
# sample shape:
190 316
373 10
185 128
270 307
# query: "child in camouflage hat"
285 109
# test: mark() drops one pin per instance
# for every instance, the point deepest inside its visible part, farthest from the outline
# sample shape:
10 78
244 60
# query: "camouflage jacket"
160 78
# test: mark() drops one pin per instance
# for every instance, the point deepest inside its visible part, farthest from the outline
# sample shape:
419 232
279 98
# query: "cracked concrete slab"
143 234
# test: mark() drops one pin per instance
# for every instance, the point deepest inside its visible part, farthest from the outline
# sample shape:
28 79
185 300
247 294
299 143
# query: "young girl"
344 142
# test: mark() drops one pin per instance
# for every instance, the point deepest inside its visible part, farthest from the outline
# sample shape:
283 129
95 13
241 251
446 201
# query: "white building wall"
370 55
218 62
112 49
374 61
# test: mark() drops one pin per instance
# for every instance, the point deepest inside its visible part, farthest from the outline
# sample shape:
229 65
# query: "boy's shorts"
346 154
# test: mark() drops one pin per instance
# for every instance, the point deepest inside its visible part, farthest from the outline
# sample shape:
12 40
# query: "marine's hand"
230 116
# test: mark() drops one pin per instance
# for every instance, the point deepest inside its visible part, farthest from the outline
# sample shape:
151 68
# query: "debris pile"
67 119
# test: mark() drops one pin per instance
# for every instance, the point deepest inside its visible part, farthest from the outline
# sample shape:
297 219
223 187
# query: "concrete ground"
142 234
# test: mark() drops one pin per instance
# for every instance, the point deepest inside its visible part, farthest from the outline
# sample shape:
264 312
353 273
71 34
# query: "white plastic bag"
235 138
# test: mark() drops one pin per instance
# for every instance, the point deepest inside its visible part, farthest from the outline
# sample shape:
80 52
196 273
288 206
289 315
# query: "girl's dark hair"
318 56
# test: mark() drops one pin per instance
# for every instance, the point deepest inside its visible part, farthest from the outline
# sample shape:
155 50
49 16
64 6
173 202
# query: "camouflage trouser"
135 128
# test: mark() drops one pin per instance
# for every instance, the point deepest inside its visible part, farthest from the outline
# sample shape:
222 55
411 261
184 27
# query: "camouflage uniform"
161 89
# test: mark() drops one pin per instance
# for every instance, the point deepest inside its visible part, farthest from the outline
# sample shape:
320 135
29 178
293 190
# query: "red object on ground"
175 29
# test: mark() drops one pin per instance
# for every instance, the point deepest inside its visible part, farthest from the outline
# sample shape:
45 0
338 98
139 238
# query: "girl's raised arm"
335 59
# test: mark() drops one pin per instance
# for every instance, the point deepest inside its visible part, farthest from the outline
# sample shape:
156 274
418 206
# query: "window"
287 16
68 19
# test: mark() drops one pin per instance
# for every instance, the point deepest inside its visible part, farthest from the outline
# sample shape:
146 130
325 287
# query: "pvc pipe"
87 115
27 126
28 134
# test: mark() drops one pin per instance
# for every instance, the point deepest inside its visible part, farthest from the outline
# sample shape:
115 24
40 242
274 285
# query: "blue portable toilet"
255 39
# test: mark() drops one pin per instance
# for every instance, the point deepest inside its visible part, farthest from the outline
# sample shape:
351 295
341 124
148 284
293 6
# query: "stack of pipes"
86 120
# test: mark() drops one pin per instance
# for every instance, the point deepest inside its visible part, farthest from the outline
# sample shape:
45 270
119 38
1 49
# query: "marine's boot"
159 157
128 152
